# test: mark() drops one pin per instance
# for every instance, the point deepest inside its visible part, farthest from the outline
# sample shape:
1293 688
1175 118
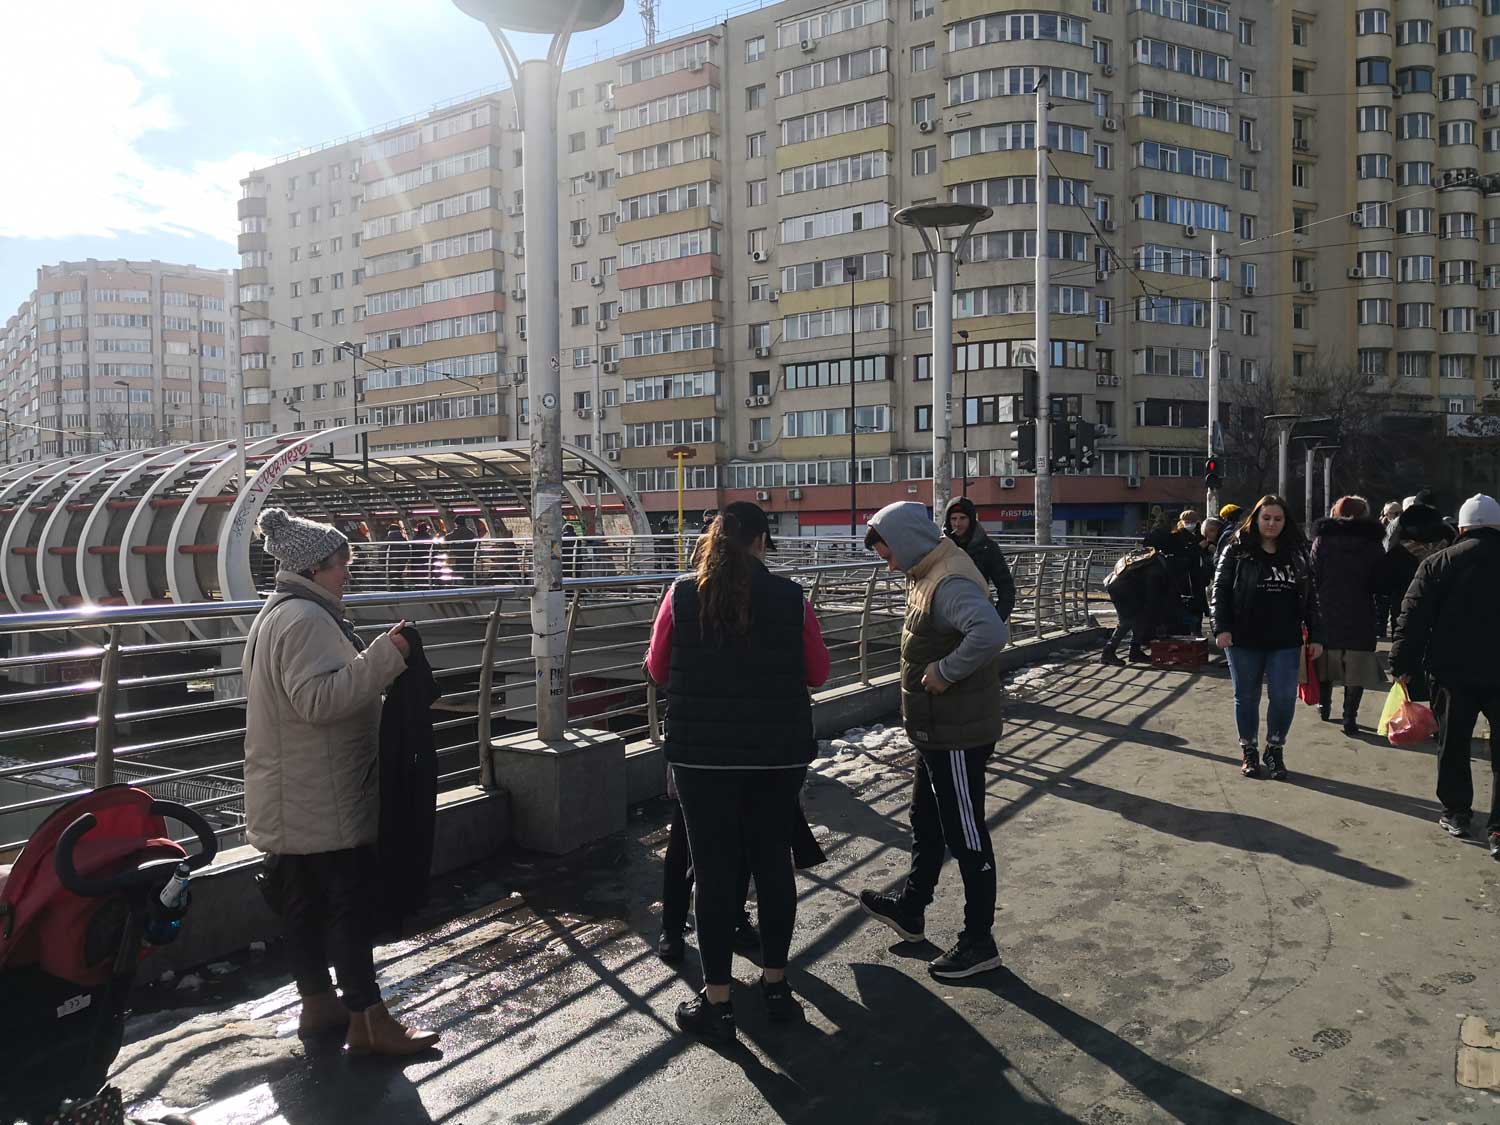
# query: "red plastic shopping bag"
1308 689
1412 722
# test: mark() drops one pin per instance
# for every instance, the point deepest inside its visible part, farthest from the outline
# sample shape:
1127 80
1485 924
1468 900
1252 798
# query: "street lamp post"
536 84
964 413
129 415
932 221
1327 451
1285 424
851 267
354 351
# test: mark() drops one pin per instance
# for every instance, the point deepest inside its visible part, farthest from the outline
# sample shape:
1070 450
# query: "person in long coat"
1347 562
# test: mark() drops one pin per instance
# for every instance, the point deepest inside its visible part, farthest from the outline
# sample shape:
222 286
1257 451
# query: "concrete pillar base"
563 794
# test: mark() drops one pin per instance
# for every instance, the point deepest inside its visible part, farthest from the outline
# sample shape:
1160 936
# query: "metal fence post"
486 703
653 713
864 628
567 661
104 729
1064 594
817 586
1036 593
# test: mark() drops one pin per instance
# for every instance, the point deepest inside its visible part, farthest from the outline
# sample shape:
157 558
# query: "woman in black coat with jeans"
1263 602
1347 561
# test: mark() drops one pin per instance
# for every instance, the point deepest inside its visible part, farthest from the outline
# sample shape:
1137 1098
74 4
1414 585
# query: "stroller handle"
142 874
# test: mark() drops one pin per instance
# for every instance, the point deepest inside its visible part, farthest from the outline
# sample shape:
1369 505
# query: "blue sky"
139 123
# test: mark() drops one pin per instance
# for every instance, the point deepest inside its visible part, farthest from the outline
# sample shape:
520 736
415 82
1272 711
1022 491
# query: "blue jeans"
1278 668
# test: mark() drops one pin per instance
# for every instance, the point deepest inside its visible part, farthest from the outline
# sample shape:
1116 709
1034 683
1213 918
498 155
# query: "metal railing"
89 697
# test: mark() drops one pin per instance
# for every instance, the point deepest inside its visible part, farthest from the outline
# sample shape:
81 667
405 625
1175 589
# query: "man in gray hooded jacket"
951 704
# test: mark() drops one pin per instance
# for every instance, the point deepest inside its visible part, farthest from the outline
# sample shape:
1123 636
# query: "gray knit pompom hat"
295 543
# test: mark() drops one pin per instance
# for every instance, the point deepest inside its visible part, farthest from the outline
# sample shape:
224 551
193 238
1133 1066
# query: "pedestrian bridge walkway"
1182 945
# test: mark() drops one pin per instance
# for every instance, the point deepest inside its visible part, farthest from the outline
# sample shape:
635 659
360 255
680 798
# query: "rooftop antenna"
648 10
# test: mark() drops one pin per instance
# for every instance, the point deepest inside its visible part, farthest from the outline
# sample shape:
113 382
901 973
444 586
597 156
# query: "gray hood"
908 530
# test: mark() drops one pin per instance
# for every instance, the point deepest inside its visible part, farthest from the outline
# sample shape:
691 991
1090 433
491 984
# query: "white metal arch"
14 548
52 568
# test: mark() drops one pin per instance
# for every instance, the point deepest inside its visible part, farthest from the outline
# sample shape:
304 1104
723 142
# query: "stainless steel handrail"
133 714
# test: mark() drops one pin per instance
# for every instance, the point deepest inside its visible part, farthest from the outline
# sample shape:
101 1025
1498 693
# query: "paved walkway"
1182 945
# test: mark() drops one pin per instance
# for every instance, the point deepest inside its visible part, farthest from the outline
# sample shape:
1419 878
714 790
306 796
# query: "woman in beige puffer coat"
312 802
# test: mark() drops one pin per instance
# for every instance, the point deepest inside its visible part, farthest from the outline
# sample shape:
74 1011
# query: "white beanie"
298 544
1479 510
1408 502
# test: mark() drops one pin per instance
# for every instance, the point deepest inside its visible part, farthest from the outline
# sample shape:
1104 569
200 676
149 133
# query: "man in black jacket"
1450 619
961 524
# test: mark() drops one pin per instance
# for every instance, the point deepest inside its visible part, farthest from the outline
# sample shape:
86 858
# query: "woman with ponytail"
737 647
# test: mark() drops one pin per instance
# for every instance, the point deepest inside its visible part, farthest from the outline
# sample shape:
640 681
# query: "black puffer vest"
743 705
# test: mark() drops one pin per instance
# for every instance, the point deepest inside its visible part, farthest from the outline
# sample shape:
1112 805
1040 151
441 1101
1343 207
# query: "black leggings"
730 814
325 900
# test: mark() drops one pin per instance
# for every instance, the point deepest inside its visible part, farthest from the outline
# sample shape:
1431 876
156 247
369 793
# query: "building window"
576 142
924 161
922 109
317 357
760 288
1372 21
1299 80
1299 33
921 9
580 271
755 193
1247 178
923 57
755 97
1301 174
1247 82
1247 33
1103 156
755 145
922 418
755 240
575 99
755 48
605 135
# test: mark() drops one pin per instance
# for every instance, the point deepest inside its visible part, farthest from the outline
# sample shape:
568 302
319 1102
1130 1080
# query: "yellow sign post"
681 453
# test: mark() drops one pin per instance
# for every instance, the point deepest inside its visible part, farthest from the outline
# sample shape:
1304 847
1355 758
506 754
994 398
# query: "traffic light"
1085 435
1031 392
1061 446
1024 436
1213 472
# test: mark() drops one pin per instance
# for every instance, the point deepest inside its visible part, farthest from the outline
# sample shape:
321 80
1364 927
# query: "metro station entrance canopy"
168 525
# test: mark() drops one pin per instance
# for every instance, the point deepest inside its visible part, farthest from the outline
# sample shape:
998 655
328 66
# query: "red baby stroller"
77 912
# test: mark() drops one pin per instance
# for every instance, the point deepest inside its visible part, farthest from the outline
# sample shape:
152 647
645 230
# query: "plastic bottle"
165 917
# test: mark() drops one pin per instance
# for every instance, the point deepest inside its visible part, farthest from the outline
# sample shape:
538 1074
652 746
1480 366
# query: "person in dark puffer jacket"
1347 559
738 647
951 705
961 524
1416 533
1449 621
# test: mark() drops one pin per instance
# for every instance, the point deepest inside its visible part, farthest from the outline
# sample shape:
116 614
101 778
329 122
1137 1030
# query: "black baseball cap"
751 520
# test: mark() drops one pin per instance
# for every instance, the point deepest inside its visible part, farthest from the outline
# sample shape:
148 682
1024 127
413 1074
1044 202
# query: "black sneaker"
713 1022
1455 824
671 948
970 957
781 1005
1111 659
1276 763
746 936
1140 656
1495 845
1249 760
904 920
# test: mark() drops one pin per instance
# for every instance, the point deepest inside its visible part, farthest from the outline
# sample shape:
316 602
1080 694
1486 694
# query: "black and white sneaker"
1495 845
746 936
711 1022
1455 824
1276 763
781 1005
970 957
906 921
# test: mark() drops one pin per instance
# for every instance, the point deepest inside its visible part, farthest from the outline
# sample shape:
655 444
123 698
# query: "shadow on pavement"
1227 829
1184 1097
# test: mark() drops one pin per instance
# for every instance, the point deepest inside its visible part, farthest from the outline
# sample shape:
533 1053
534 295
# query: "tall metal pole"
942 376
598 431
1043 502
1283 452
1213 361
237 408
851 269
1327 483
1307 521
538 89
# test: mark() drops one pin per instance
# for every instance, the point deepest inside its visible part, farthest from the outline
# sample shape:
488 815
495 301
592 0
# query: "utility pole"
598 442
355 351
851 267
1042 300
1285 424
1328 452
1213 363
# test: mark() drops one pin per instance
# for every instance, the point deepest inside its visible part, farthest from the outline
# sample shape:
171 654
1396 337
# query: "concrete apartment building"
714 184
109 354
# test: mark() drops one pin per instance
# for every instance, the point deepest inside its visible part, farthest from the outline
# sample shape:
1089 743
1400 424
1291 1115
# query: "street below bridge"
1181 944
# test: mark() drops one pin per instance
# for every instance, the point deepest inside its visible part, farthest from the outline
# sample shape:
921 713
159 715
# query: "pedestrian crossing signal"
1213 475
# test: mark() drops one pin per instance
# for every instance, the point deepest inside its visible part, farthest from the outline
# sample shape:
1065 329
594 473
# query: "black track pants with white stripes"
947 813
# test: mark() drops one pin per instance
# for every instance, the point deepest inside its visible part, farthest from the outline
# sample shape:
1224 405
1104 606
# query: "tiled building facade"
713 187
